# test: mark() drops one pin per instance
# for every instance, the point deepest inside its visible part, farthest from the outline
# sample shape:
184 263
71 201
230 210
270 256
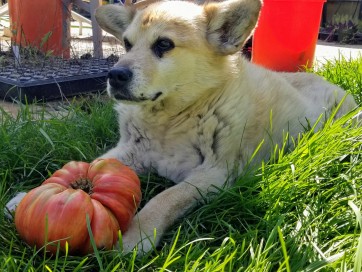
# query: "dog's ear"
230 23
114 18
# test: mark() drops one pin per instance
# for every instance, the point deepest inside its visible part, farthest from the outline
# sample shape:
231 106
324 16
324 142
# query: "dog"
193 109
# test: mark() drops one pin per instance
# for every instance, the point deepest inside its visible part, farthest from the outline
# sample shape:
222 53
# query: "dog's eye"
127 44
161 46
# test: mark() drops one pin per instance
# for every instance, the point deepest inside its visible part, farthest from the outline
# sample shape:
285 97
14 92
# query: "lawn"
301 211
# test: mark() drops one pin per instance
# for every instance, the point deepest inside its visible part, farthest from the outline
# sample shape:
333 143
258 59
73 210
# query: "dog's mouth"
127 96
121 96
156 96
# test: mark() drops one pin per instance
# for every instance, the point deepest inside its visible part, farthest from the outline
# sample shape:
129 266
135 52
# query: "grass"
299 212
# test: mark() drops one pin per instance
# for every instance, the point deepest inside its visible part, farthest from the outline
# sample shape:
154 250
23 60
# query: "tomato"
105 190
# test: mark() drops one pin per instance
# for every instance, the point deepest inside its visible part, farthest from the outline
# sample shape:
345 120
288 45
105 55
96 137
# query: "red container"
287 33
42 24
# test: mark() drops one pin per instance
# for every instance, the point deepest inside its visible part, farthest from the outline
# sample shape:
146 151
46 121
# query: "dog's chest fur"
173 146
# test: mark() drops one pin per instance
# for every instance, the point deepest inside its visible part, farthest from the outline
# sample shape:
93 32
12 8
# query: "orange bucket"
287 32
42 24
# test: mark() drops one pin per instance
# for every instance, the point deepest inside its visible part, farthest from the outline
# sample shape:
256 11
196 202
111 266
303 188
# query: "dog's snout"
119 77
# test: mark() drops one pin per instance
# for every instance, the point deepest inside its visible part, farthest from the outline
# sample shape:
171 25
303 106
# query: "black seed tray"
53 81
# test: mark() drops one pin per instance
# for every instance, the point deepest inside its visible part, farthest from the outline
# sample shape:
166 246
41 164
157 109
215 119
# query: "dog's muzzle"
119 79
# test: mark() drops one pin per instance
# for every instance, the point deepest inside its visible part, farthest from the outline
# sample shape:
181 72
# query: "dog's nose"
119 77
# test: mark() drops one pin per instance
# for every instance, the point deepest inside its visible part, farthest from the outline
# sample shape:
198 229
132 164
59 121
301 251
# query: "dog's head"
175 49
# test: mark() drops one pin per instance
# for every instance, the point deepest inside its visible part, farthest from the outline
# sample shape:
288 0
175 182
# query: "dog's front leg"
163 210
125 153
13 203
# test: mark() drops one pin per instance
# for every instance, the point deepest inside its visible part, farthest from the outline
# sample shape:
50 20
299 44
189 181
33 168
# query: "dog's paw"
142 243
140 239
13 203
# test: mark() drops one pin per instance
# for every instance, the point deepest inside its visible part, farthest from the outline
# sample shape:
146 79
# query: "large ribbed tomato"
105 190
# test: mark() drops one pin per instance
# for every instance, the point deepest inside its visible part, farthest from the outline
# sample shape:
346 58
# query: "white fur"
13 203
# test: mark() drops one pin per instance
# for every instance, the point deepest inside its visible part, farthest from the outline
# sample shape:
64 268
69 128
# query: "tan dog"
192 108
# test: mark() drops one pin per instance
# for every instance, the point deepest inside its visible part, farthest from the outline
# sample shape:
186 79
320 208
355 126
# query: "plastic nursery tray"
50 81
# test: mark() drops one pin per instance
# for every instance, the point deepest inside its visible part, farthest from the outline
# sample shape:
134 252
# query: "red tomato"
105 190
